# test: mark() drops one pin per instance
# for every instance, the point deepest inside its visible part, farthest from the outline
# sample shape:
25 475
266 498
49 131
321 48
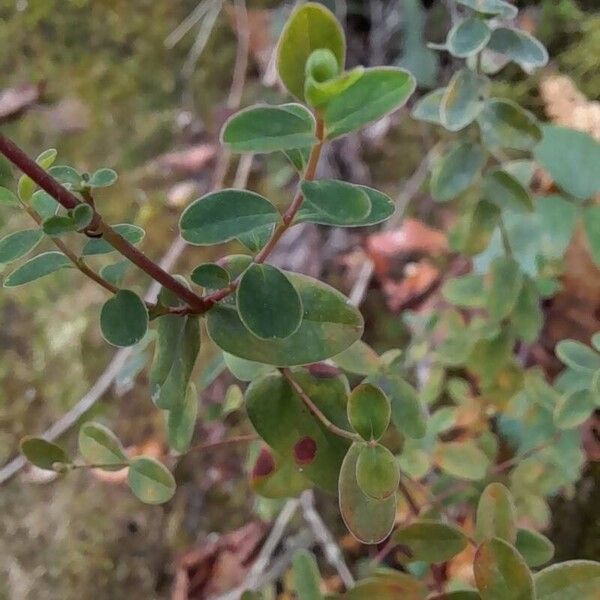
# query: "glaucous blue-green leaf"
102 178
298 157
456 170
369 411
591 226
377 473
331 202
378 92
534 547
245 370
82 216
578 356
475 228
132 233
66 175
115 273
282 420
256 239
518 46
360 359
408 414
466 291
387 584
310 27
496 514
368 520
468 37
7 197
210 275
319 93
503 287
571 580
464 460
150 480
124 319
268 304
329 325
36 267
427 108
574 409
522 170
506 192
181 420
431 541
222 216
100 446
263 129
463 99
57 225
41 453
527 316
504 124
492 7
306 576
382 207
414 461
574 171
44 204
18 244
273 477
501 573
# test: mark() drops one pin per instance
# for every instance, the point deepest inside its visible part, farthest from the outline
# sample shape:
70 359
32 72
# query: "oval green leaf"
268 304
428 107
534 547
463 99
492 7
468 37
18 244
41 453
36 267
456 170
100 446
224 215
369 411
572 580
306 576
210 276
7 197
150 480
124 319
496 514
464 460
574 409
431 541
181 420
578 356
519 46
504 124
377 473
102 178
503 286
505 191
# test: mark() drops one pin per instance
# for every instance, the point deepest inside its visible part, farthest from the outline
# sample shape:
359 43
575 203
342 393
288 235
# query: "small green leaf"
464 460
132 233
306 576
222 216
115 273
571 580
82 216
18 244
501 572
100 446
310 27
378 92
519 46
46 158
377 473
527 317
475 227
25 188
58 225
431 541
245 370
574 409
7 197
36 267
268 304
463 99
503 287
468 37
369 411
124 319
591 225
574 171
428 107
210 276
360 359
44 204
233 400
534 547
150 480
504 124
578 356
41 453
6 175
368 520
456 170
496 514
492 7
330 202
263 129
506 192
388 584
102 178
66 175
466 291
182 420
319 93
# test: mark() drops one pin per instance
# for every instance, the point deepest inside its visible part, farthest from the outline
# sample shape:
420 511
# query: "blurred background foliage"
114 95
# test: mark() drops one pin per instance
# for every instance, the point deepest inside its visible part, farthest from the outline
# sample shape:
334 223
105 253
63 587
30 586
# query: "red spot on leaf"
323 371
264 465
305 450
